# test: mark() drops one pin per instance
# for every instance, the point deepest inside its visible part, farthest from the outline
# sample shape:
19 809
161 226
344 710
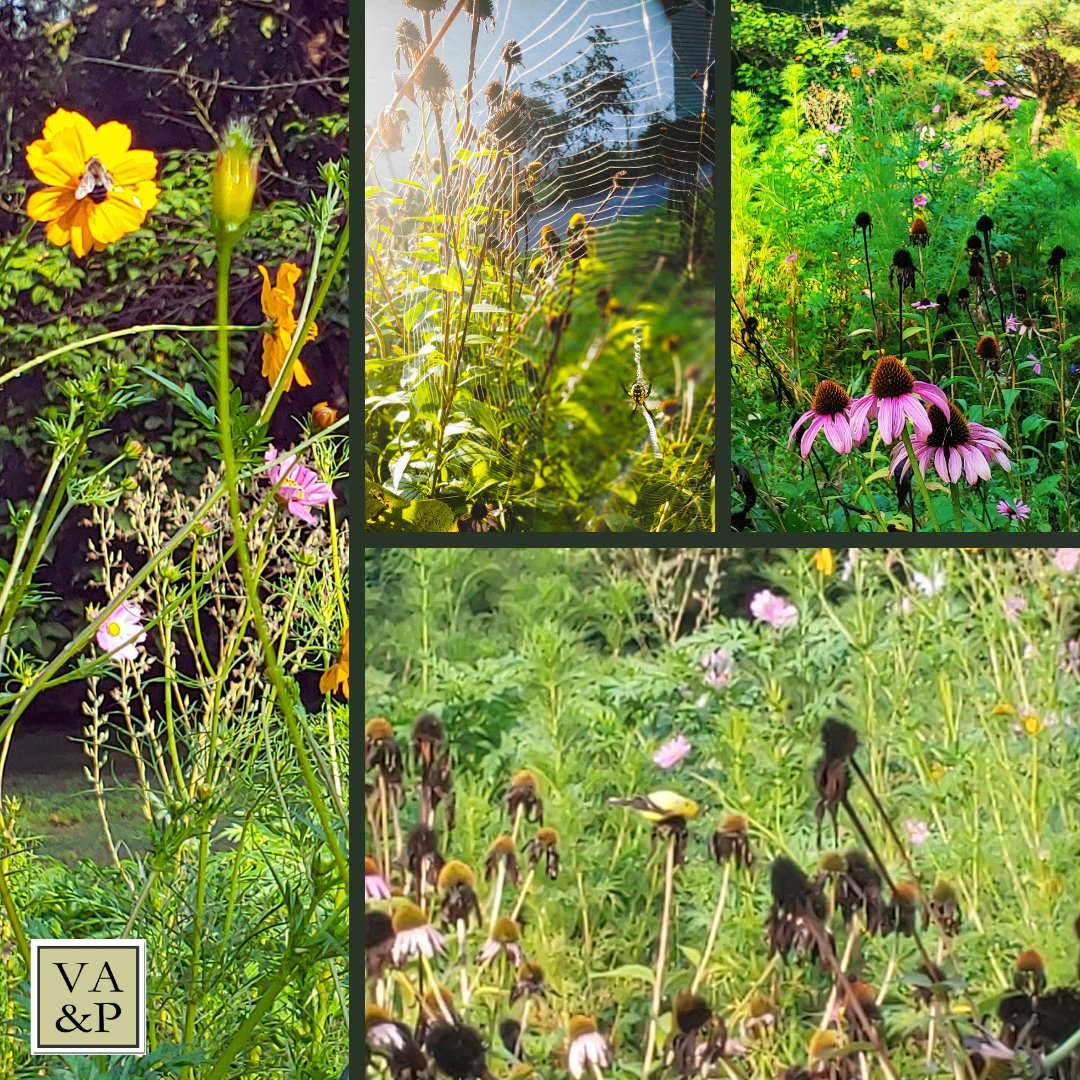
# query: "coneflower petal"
808 415
934 394
810 434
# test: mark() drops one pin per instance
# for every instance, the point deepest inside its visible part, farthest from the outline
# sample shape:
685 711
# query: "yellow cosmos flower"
278 301
336 677
1031 723
97 189
928 51
902 43
856 72
825 562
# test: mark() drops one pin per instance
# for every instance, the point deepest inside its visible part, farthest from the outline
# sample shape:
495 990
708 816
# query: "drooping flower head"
375 886
336 677
414 935
1018 511
956 447
895 397
122 631
902 268
97 188
278 301
830 412
587 1050
920 234
296 487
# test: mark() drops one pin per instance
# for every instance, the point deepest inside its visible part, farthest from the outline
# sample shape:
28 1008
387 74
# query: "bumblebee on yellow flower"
278 301
97 189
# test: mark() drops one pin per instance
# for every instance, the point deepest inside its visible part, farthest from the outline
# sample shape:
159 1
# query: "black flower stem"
994 280
870 283
919 479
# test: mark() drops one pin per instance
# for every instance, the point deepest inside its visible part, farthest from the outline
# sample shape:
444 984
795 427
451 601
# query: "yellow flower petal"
50 203
114 218
135 167
110 143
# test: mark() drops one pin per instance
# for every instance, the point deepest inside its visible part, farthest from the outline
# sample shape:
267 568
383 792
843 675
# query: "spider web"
659 135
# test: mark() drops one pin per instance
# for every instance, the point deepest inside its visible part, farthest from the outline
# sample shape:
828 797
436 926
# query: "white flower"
588 1049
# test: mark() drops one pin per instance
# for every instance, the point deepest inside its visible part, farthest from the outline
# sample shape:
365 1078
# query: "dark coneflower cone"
985 225
974 245
902 268
426 7
433 81
920 234
458 1050
976 268
838 740
731 841
1029 972
863 221
410 38
480 10
690 1012
942 302
789 884
987 349
963 298
511 54
1057 257
830 398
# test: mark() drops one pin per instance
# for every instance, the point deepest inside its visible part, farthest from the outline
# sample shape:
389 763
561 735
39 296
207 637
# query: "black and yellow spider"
638 392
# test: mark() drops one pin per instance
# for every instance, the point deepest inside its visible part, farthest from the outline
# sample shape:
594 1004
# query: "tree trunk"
1037 123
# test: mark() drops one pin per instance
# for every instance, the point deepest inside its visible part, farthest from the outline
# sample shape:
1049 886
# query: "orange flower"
278 302
97 188
336 677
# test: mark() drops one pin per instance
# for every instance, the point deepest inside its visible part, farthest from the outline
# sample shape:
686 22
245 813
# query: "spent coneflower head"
902 269
1029 972
457 1050
859 892
895 397
503 940
502 851
413 935
732 842
493 93
942 301
529 982
900 915
523 797
830 412
1057 257
378 940
385 1035
976 268
795 900
545 846
973 245
481 11
1002 260
963 298
865 996
391 127
409 39
381 751
943 909
456 884
509 124
690 1012
956 447
984 225
863 221
422 853
425 7
433 82
586 1048
920 234
427 740
511 55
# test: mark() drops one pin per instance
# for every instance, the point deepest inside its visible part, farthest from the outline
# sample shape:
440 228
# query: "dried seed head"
984 224
1057 256
920 234
455 874
434 82
377 729
505 931
839 740
690 1012
987 349
511 54
974 245
863 220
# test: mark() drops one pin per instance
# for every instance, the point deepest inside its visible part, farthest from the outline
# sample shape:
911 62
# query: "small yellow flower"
97 188
1003 708
903 43
951 35
278 301
824 562
928 51
937 771
1031 724
336 677
909 65
856 72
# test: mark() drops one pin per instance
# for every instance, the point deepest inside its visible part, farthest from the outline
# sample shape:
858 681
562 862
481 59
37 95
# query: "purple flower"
983 92
924 305
719 667
1036 367
918 832
1018 510
838 37
924 164
672 752
1010 102
994 82
1067 559
833 129
1015 606
792 257
296 487
821 150
1012 324
774 610
936 109
920 200
849 58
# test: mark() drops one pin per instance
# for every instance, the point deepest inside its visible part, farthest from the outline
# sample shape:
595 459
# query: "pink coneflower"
296 487
924 304
504 939
122 631
773 609
672 752
894 399
1036 367
586 1049
1066 559
956 447
923 164
382 1032
918 832
1019 510
719 667
375 887
1010 102
414 935
830 412
920 200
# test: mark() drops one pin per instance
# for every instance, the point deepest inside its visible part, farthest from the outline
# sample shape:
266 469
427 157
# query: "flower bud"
133 449
235 176
323 415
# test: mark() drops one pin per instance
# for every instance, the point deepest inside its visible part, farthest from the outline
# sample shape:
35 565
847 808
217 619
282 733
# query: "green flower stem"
17 243
919 479
958 513
232 477
864 490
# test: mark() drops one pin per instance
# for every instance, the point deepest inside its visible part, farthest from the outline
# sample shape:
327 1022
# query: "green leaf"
430 515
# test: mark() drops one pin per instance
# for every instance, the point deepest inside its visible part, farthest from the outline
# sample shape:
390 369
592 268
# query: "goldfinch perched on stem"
660 807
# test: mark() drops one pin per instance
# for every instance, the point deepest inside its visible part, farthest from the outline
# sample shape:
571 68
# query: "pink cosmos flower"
1066 559
936 109
924 164
1015 606
920 200
122 631
719 667
1010 102
821 150
918 832
792 257
833 129
773 609
672 752
1018 510
982 92
297 487
956 447
830 412
414 936
894 399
